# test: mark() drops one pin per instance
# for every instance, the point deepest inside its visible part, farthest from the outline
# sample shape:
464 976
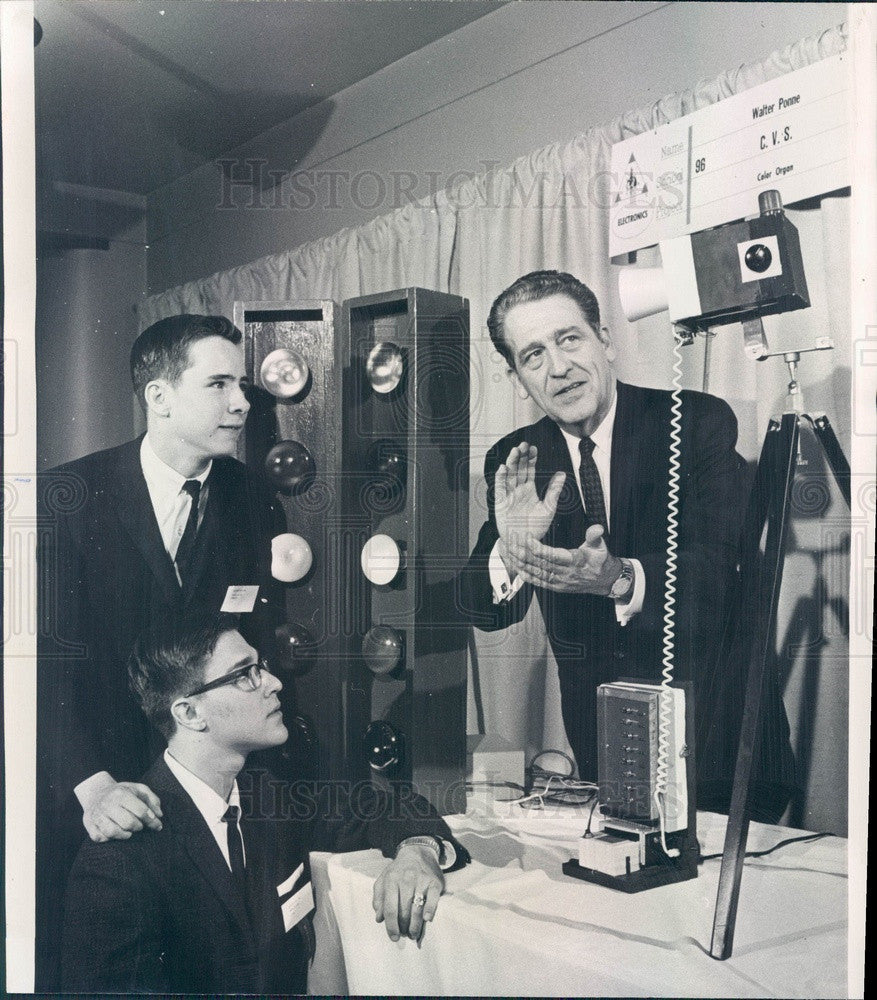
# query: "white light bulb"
380 559
284 373
291 557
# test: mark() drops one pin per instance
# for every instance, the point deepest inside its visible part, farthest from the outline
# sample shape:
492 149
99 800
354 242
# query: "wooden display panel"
313 688
421 429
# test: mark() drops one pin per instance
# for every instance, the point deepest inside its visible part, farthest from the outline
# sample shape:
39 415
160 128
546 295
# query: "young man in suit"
578 507
167 523
216 898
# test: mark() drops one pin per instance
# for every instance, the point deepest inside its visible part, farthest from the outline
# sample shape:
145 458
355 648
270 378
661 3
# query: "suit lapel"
624 472
133 507
187 825
206 541
568 528
262 882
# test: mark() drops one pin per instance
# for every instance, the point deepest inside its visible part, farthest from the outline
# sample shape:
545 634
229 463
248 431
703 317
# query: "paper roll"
643 291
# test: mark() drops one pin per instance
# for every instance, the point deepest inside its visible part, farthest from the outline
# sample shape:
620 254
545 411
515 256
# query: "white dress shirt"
170 501
504 588
211 805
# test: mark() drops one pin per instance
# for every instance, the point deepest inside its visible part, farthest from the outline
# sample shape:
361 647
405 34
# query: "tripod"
769 503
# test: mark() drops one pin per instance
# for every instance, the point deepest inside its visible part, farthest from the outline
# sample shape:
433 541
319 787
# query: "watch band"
623 586
446 854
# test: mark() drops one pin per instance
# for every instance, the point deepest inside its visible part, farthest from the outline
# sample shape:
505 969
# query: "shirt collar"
211 805
160 477
602 436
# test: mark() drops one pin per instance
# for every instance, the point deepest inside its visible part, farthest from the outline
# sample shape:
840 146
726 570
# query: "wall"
85 325
522 77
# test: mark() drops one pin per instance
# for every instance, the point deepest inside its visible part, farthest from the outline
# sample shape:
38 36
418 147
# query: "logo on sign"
631 208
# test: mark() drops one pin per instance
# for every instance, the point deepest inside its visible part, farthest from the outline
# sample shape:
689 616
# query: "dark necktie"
187 542
235 843
592 490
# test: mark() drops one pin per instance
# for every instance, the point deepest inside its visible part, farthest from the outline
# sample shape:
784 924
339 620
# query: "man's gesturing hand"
520 514
407 892
120 809
589 569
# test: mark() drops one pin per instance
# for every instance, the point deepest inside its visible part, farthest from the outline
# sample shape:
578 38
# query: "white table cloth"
512 923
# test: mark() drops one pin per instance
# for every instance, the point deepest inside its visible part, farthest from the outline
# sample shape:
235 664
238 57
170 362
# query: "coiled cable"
665 698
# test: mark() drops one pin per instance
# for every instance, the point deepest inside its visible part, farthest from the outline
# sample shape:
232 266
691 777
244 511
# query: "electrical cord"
553 787
776 847
567 791
536 770
665 703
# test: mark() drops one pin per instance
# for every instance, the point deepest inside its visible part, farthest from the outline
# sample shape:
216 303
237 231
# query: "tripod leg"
834 453
779 455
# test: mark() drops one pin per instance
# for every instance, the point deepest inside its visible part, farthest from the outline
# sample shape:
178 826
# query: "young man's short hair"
162 350
168 662
533 287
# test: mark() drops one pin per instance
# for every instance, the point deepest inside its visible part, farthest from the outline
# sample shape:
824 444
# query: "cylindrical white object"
642 290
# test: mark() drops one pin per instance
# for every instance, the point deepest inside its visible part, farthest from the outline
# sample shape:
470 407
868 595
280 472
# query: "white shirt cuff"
88 787
624 612
504 588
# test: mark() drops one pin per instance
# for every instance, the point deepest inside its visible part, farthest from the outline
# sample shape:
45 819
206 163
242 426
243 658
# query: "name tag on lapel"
298 906
240 599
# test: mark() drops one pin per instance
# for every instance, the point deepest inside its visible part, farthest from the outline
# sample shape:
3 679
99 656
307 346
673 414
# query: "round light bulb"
387 458
284 373
295 648
384 367
291 557
382 649
289 465
380 559
382 746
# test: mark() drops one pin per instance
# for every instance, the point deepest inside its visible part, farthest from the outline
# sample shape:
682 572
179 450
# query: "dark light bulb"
290 466
295 648
382 746
382 649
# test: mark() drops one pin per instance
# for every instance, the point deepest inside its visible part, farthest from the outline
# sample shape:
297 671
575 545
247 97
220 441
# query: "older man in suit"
217 898
578 515
129 536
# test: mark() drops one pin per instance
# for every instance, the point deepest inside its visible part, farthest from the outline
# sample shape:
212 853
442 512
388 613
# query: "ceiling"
132 94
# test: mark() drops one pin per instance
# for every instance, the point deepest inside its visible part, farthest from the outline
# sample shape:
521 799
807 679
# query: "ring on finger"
419 900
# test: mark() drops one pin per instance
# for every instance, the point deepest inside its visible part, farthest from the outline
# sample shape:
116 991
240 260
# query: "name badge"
240 599
297 907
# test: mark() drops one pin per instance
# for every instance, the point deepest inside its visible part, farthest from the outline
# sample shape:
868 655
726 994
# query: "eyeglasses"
247 678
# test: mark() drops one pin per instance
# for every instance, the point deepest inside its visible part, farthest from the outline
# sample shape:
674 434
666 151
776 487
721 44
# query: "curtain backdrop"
550 209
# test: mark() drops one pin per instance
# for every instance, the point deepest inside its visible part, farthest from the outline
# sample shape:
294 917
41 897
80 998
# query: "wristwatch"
444 849
623 586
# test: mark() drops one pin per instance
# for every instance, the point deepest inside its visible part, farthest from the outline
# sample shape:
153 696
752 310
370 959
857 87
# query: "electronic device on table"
646 789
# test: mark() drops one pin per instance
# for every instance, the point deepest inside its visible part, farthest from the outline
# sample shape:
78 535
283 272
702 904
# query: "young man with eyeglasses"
216 898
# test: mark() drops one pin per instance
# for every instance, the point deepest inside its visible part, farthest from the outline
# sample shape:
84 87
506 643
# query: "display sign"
708 167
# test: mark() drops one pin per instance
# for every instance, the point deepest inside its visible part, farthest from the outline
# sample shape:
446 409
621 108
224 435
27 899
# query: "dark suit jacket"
160 912
104 577
588 644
